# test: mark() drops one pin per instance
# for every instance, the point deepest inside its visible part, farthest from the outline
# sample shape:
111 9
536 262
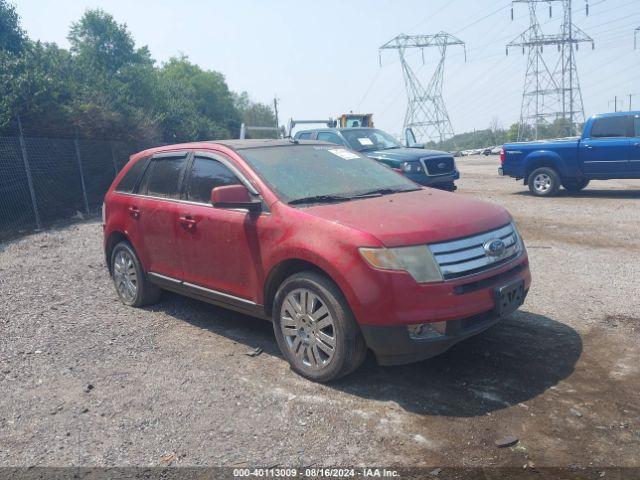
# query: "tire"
305 338
575 185
544 182
129 279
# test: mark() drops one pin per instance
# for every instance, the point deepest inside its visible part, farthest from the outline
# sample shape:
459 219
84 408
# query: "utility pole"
426 112
550 93
615 103
275 109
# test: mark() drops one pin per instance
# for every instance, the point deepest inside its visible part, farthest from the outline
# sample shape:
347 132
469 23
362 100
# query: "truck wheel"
130 281
575 186
544 182
315 329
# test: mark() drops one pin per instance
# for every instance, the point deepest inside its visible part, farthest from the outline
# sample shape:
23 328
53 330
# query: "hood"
404 154
413 218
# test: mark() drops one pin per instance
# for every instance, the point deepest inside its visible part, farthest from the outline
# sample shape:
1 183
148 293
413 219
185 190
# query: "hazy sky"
321 58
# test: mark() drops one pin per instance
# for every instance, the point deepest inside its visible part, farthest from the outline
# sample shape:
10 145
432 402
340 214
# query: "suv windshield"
365 139
323 173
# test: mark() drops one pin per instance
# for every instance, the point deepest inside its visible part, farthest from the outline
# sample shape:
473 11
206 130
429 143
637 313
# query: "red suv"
340 252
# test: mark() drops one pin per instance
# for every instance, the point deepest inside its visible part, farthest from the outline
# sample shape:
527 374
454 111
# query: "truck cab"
609 148
430 168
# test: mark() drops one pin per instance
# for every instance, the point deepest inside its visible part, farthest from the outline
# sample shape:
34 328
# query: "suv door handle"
589 147
637 144
187 221
134 212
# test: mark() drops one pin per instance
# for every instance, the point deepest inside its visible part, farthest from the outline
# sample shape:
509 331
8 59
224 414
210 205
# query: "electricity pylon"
551 92
426 113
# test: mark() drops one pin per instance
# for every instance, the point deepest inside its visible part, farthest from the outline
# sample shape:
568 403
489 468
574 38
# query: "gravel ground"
86 381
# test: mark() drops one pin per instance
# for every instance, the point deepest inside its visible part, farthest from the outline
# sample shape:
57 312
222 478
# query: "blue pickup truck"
608 148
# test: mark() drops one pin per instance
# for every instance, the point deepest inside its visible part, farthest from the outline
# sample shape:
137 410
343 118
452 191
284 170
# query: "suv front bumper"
444 182
393 345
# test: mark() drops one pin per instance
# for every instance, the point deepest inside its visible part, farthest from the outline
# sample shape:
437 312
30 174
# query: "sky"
320 58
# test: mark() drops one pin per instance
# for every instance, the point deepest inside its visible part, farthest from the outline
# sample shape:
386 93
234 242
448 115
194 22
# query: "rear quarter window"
128 183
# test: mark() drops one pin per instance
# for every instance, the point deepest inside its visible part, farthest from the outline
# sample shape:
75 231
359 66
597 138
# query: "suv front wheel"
315 329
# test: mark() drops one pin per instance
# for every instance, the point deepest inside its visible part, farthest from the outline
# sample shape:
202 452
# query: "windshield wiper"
320 199
383 191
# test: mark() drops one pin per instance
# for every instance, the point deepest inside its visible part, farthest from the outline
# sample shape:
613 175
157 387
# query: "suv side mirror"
234 196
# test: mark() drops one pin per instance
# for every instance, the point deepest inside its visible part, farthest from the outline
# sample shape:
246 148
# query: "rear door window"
163 177
305 136
610 127
207 174
636 126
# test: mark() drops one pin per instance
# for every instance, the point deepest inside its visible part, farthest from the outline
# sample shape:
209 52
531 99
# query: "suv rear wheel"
131 283
315 329
544 182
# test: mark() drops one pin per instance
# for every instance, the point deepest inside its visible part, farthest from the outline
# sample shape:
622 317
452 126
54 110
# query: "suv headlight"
416 260
411 167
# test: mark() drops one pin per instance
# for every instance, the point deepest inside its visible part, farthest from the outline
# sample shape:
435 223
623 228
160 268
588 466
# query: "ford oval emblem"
495 248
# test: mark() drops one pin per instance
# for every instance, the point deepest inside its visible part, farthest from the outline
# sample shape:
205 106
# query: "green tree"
196 104
114 82
12 37
255 114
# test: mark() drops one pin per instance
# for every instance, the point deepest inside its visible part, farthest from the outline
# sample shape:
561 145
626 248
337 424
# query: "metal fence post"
84 189
25 160
113 158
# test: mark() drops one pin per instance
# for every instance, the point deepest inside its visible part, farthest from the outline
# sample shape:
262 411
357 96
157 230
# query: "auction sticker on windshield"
365 141
342 153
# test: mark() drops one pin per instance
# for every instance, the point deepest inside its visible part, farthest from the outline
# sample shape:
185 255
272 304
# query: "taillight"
503 156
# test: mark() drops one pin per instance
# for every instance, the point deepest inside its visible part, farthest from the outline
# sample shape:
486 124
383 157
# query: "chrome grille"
437 165
468 256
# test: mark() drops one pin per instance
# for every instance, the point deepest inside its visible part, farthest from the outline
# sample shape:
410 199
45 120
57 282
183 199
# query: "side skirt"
213 297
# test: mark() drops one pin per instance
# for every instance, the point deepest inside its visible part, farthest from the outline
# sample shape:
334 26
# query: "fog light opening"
423 331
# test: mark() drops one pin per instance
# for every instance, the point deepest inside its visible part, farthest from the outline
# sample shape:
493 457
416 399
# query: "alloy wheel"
125 276
308 328
542 182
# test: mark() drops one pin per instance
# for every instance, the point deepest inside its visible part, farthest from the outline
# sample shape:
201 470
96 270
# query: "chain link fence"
45 180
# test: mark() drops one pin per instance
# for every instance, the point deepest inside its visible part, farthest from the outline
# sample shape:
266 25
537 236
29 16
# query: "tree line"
496 135
104 86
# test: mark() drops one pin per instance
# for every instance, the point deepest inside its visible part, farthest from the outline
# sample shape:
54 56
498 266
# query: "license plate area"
509 297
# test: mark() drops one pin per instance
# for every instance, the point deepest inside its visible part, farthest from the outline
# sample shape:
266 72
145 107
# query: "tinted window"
610 127
304 136
330 137
130 179
163 177
206 174
636 122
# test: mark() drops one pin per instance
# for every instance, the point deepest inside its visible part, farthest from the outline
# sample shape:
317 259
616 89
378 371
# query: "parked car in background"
608 148
496 150
340 252
486 151
430 168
